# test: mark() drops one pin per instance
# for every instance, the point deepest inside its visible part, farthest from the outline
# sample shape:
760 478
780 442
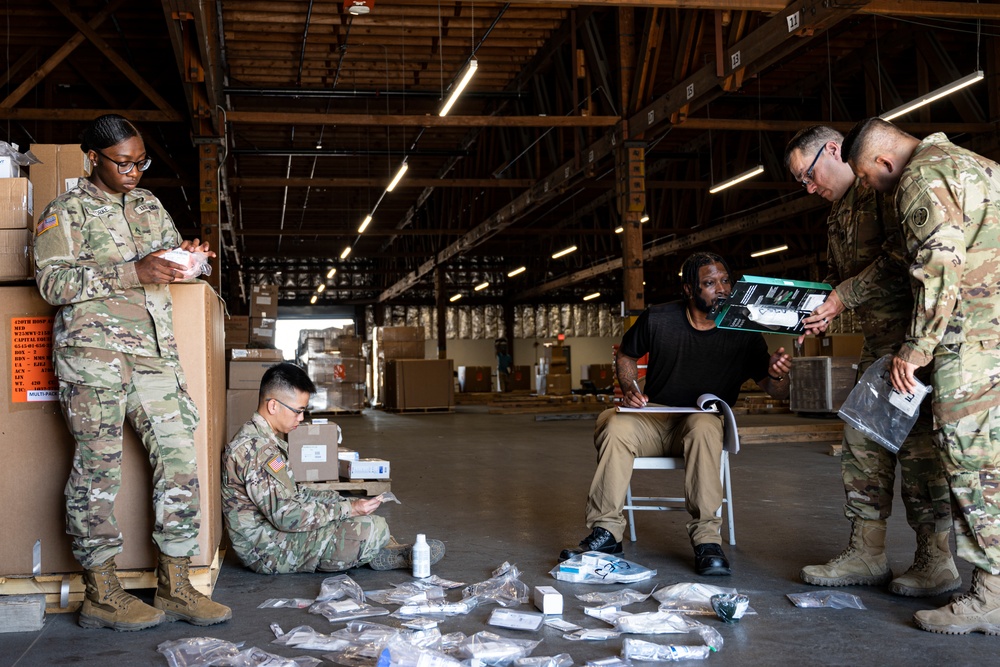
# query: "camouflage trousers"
333 548
98 390
869 474
971 452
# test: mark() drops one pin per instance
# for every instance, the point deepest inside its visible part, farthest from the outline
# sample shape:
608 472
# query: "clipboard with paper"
705 403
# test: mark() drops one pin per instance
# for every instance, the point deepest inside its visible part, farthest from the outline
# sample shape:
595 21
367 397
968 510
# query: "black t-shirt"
685 363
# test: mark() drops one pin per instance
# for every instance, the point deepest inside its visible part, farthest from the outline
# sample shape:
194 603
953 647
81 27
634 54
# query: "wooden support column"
208 204
441 304
630 181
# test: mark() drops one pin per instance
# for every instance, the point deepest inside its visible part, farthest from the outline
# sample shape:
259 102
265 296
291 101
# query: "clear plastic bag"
367 642
594 567
561 660
875 408
437 607
388 497
591 635
408 593
399 653
195 263
346 610
829 599
652 623
443 583
305 637
620 598
505 588
516 620
492 649
340 587
197 651
693 599
637 649
285 603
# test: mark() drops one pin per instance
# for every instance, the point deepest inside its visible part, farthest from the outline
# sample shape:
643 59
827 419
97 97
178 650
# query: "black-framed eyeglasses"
297 411
126 167
808 180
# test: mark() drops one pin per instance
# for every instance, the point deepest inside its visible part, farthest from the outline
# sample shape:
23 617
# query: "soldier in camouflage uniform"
869 271
275 525
947 199
96 253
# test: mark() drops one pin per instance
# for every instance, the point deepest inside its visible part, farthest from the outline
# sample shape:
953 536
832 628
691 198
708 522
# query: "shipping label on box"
364 469
32 376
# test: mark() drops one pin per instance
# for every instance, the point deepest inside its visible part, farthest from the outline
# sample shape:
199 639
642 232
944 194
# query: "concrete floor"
498 488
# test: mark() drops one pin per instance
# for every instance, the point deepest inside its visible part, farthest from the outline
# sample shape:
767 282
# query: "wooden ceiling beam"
87 115
278 182
370 120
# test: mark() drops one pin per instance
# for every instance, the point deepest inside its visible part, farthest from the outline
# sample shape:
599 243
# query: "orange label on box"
32 377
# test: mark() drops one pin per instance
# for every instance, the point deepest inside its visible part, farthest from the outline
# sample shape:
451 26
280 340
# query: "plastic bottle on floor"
420 557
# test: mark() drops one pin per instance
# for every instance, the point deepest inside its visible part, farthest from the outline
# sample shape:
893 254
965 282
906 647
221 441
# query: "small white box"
548 600
344 454
364 469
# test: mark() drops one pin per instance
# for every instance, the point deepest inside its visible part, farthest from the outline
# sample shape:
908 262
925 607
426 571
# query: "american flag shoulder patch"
277 464
46 224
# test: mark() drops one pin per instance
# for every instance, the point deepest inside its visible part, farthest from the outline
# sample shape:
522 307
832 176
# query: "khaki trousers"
621 437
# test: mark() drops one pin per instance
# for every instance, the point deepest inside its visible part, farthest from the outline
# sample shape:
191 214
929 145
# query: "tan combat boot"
933 571
862 563
975 611
107 605
179 600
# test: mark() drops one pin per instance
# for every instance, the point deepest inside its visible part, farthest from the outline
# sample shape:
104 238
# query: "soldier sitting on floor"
275 525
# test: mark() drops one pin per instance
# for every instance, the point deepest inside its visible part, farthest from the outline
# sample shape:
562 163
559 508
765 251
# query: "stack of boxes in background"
552 376
406 380
602 375
334 359
263 315
250 352
475 378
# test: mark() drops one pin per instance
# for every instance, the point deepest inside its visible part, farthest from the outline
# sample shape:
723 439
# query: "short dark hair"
689 271
808 140
871 133
285 377
106 131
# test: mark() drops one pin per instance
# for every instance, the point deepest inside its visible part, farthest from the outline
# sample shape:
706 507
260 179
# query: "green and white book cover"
770 305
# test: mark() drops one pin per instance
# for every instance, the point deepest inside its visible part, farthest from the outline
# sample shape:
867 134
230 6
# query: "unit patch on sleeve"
46 224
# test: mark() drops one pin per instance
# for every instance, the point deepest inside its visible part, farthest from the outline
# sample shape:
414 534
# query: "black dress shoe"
709 560
600 539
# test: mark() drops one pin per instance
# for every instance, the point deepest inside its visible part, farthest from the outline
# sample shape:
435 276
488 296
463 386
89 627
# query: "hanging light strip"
331 273
934 95
619 230
463 81
759 169
769 251
313 299
347 251
519 270
563 253
481 286
399 175
591 296
455 298
364 225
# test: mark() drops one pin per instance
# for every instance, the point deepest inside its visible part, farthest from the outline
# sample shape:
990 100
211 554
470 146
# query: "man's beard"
703 305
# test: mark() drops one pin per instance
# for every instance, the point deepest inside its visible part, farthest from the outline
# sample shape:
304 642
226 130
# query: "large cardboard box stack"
602 375
237 331
16 223
60 167
475 378
419 383
246 368
394 343
32 432
553 375
263 315
312 451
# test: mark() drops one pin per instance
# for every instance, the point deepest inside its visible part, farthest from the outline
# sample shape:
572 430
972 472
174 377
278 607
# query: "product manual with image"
769 305
705 403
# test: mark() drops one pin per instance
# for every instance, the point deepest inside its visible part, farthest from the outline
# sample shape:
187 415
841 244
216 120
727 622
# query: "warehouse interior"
305 141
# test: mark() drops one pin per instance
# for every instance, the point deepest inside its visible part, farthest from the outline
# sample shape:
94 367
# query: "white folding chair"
633 503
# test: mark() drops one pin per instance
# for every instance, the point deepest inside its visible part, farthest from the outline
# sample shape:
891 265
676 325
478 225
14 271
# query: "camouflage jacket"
86 246
260 499
868 265
948 201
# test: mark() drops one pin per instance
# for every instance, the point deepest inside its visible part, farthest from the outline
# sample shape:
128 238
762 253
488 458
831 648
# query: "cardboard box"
264 301
419 383
14 261
602 375
364 469
337 396
32 430
520 378
16 207
237 331
247 373
842 345
347 346
60 167
312 452
240 406
401 349
400 334
548 600
256 354
558 384
262 331
475 378
345 454
9 168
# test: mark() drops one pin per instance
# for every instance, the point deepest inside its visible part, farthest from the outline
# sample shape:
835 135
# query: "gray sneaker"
397 556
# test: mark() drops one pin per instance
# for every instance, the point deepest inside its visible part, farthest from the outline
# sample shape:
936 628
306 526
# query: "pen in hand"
636 385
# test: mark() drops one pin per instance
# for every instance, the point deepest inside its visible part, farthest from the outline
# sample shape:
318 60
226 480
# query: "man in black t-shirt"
688 357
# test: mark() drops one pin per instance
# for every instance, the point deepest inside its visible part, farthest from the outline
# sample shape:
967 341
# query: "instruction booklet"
769 305
705 403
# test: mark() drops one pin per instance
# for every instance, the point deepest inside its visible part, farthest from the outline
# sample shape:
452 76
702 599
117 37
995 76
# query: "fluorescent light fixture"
769 251
399 175
455 298
591 296
563 253
321 288
313 299
347 251
481 286
759 169
519 270
364 225
644 218
331 273
680 274
463 81
927 98
619 230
